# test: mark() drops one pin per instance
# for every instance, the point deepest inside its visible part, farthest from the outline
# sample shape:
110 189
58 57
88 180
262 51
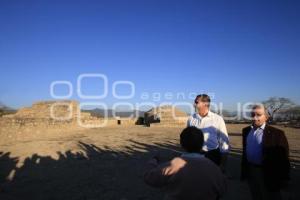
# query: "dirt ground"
106 163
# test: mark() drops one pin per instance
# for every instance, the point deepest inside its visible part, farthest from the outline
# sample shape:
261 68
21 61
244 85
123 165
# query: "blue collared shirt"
254 145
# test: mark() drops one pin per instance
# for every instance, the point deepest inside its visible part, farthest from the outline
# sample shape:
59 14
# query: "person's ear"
195 107
267 117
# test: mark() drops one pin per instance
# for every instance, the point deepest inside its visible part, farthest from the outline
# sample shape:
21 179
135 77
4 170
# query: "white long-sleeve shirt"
214 131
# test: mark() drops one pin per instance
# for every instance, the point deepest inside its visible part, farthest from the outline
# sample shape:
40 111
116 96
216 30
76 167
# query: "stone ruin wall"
65 114
39 116
166 116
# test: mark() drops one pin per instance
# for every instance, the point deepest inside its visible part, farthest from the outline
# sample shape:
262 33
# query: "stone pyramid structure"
165 116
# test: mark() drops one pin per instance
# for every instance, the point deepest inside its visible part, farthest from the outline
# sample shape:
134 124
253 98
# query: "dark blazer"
275 164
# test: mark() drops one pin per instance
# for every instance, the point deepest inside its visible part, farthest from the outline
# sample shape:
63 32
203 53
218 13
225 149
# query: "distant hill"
97 112
5 110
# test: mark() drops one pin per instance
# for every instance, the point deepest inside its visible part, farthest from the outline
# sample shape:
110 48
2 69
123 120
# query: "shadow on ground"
96 173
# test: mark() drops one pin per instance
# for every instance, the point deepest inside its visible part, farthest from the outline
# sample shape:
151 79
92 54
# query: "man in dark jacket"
265 159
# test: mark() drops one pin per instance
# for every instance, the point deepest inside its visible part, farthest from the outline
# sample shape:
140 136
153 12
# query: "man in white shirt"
216 141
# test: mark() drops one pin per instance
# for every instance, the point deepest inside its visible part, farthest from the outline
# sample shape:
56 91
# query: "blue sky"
239 50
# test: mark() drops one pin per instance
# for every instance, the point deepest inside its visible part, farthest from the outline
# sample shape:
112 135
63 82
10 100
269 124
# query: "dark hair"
191 139
203 98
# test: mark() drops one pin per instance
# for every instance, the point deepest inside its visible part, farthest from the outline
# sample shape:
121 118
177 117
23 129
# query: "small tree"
292 113
1 109
4 110
275 104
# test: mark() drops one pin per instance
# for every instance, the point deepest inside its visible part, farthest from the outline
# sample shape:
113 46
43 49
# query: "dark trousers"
214 155
257 186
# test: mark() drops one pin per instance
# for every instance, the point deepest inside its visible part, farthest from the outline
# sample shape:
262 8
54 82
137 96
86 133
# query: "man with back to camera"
216 140
190 176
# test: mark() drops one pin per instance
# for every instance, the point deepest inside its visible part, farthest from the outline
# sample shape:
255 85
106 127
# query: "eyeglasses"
256 115
196 102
